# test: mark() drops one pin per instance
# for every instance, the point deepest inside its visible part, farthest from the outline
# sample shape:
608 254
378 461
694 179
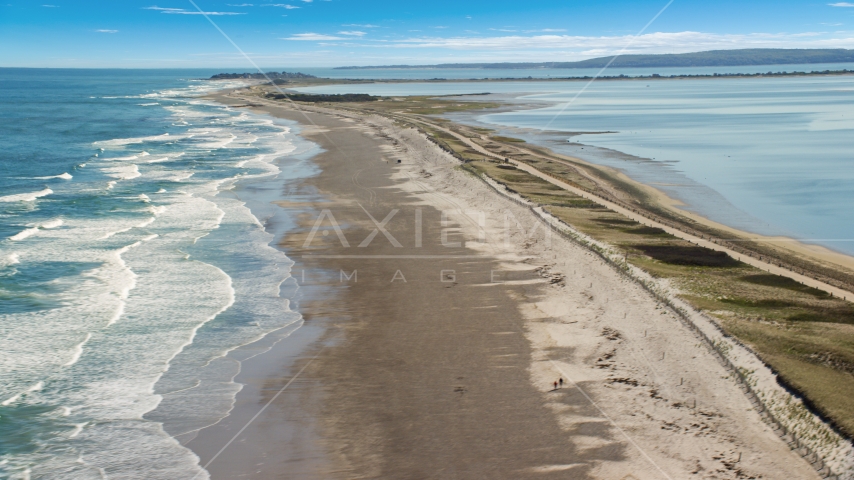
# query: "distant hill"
712 58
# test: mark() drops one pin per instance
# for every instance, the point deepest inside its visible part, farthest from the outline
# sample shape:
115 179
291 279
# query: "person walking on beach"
561 382
555 385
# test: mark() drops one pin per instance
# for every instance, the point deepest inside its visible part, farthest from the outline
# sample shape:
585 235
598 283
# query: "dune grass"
801 332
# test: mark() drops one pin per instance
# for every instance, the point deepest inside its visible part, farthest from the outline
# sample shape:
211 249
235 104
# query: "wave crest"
26 197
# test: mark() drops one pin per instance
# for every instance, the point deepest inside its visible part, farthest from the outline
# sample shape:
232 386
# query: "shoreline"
792 247
386 324
813 251
343 80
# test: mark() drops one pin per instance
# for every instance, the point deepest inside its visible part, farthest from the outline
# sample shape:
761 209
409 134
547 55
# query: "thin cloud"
51 6
841 4
239 4
361 25
659 42
312 37
354 33
280 5
107 31
181 11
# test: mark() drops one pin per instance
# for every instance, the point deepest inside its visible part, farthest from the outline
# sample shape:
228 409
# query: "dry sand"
422 373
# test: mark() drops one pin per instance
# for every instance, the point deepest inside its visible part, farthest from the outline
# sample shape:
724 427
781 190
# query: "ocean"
772 156
137 255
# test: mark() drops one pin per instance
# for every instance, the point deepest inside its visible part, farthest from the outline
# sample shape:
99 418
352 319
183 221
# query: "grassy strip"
607 185
806 336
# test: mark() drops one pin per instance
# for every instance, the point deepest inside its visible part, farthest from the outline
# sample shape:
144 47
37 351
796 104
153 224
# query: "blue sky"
318 33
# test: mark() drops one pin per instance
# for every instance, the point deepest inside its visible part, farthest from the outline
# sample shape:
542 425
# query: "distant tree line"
305 97
262 76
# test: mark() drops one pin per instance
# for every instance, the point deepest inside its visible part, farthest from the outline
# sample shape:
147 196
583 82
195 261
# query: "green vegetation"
507 139
802 333
685 255
419 105
305 97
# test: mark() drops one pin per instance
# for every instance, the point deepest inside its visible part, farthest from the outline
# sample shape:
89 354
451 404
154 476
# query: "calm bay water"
768 155
133 258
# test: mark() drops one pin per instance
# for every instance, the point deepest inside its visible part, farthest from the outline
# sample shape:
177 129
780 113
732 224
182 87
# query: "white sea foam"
56 222
9 260
24 234
127 229
78 427
144 197
115 232
10 400
171 156
157 303
125 172
36 387
157 209
64 176
121 142
123 159
26 197
78 351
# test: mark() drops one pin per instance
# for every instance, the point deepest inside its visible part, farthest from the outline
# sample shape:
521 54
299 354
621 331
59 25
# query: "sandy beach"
434 332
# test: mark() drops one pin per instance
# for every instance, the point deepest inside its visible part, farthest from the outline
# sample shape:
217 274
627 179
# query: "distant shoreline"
710 58
305 81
